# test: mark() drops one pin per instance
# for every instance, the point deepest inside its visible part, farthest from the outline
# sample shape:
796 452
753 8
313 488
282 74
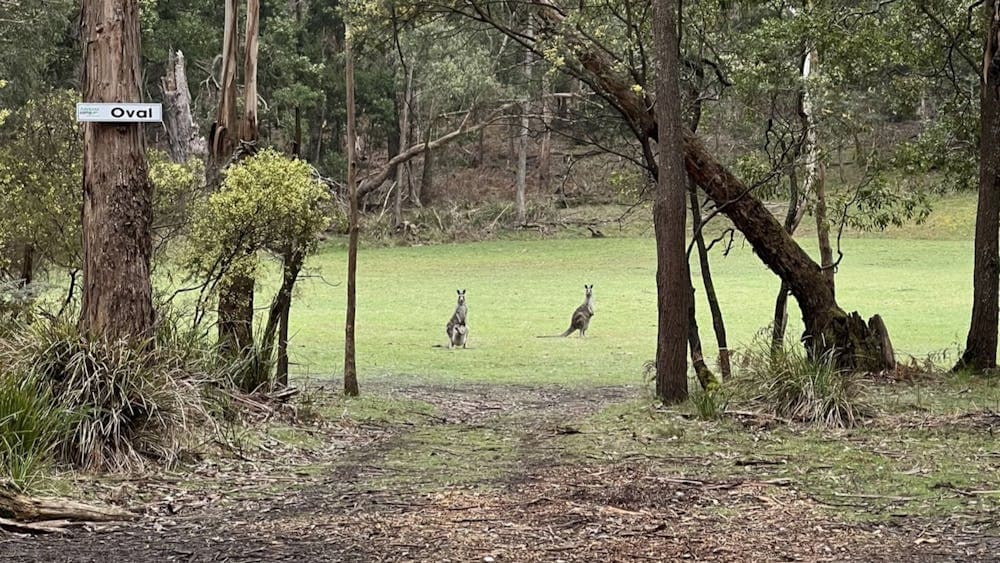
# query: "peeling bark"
182 131
117 193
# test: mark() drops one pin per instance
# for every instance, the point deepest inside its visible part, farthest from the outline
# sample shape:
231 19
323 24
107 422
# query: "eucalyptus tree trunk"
672 282
248 133
117 193
236 292
981 344
815 182
221 137
404 141
350 367
520 184
182 132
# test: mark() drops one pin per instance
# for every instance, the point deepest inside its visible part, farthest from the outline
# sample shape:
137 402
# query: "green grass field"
918 278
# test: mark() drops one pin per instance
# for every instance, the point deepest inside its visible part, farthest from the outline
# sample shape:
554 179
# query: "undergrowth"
457 223
785 382
32 427
130 403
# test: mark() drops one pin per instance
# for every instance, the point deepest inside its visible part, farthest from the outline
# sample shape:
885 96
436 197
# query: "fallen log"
38 509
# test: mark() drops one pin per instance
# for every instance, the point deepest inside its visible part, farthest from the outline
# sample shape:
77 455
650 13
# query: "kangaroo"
457 330
581 316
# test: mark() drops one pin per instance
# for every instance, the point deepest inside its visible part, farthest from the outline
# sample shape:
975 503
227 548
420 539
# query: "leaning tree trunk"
981 345
117 193
673 286
828 329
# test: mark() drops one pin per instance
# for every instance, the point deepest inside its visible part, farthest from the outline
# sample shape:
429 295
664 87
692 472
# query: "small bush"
786 383
133 402
32 426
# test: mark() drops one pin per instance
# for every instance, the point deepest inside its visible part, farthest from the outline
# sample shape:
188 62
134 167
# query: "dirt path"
486 477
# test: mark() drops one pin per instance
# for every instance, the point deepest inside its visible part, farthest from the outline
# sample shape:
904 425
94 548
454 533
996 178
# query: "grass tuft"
710 403
132 403
787 383
32 426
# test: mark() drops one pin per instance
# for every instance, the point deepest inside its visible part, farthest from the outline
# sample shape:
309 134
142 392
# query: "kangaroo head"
589 289
461 296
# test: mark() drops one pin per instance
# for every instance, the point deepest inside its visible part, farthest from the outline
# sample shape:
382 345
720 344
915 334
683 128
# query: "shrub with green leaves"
266 202
176 188
40 175
787 383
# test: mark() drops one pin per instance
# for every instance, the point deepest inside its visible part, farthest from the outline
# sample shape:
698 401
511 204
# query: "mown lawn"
918 278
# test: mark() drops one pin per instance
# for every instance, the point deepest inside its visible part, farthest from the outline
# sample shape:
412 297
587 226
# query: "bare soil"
352 499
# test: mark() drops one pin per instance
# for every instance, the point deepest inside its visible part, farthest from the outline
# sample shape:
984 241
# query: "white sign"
119 113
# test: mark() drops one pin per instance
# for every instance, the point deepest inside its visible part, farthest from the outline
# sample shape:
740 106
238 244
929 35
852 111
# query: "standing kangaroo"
581 316
457 330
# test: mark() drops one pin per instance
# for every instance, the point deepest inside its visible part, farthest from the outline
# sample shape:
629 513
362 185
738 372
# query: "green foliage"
710 403
945 156
788 384
32 426
266 202
40 49
40 178
176 187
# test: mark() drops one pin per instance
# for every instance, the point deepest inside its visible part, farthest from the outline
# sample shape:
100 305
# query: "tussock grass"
131 403
787 383
710 403
32 427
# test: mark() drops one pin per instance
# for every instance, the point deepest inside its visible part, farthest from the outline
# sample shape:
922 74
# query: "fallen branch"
877 497
54 526
32 509
376 179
